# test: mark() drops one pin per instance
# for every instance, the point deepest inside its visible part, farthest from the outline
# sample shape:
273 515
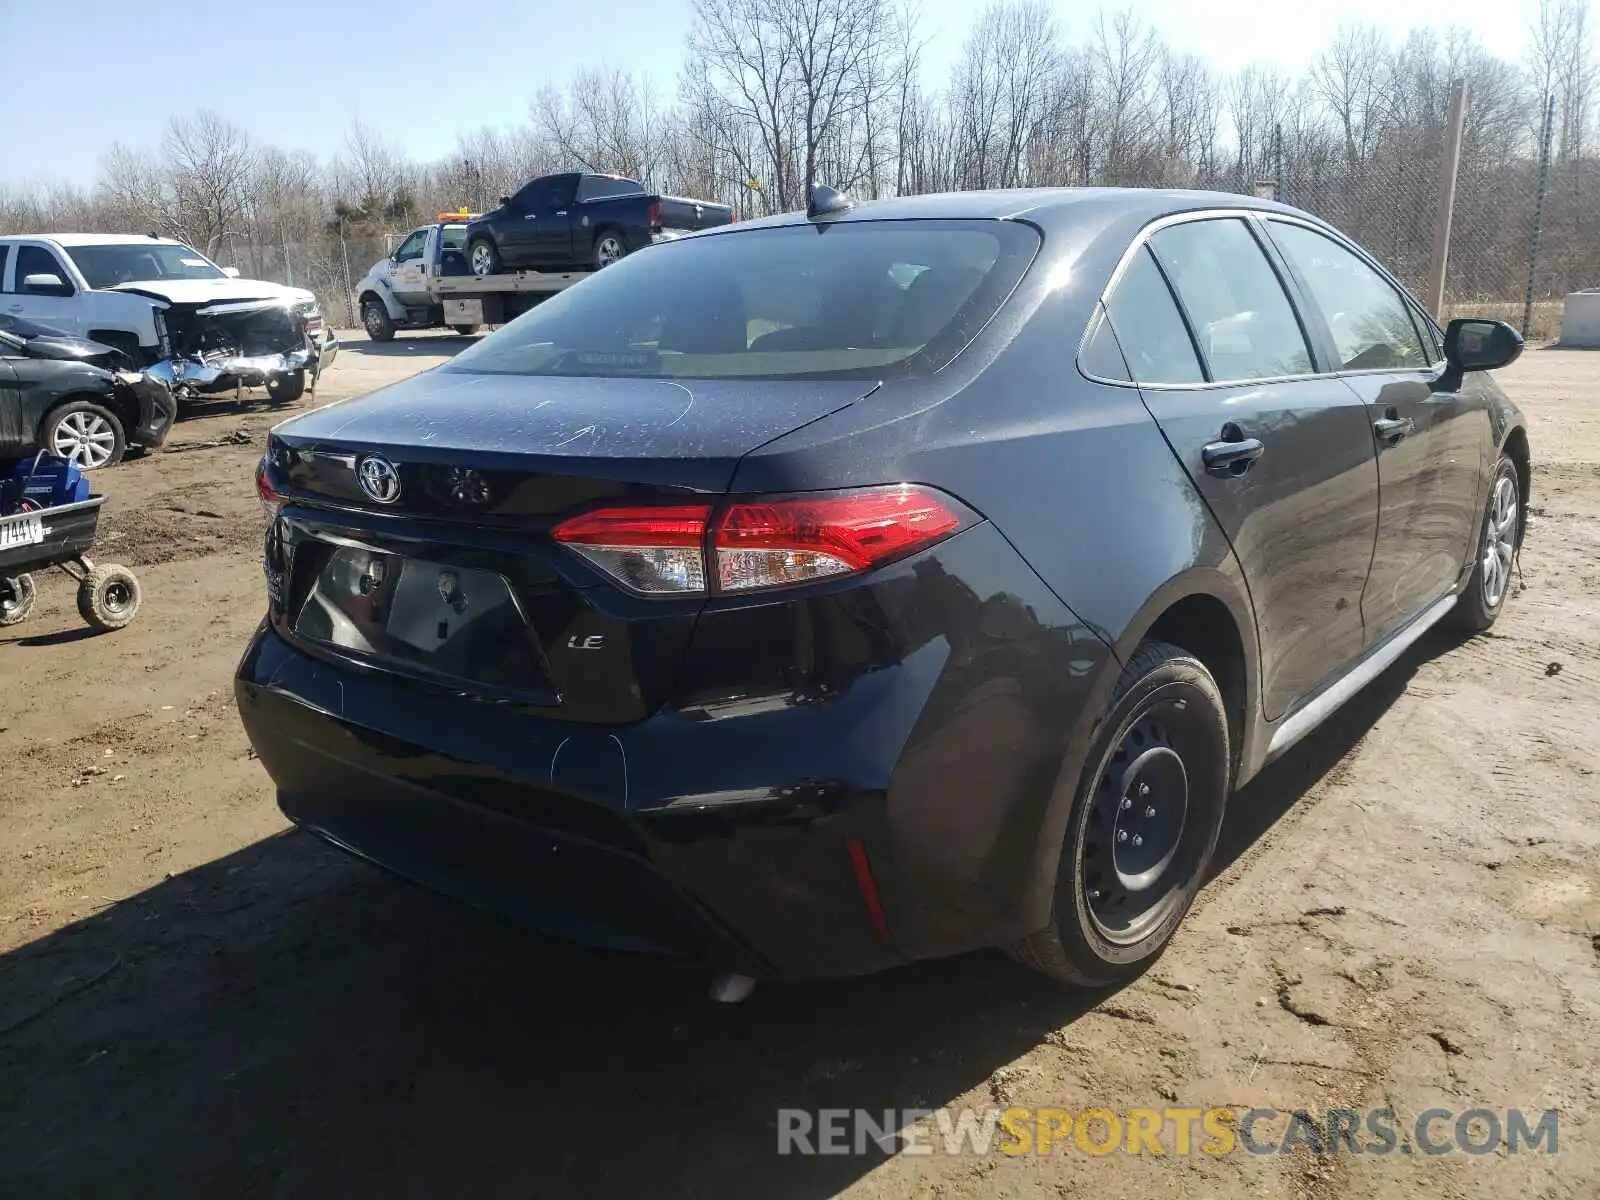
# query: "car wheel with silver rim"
482 257
86 434
609 248
1485 594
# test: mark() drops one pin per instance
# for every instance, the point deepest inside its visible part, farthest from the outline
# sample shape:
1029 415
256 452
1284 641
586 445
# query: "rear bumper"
946 694
761 884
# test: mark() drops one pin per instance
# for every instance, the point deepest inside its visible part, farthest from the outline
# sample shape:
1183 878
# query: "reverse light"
761 543
272 500
650 550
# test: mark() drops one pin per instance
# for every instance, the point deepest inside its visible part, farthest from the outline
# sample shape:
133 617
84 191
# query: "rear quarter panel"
1078 480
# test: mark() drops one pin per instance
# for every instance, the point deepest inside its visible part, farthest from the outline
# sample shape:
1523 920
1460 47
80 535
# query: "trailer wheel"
286 389
108 597
376 321
16 598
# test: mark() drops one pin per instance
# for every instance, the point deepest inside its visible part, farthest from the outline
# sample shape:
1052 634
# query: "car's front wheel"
286 389
1144 823
376 321
86 434
1479 605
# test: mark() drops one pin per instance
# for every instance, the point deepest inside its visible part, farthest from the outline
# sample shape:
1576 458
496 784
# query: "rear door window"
1241 317
856 299
1149 327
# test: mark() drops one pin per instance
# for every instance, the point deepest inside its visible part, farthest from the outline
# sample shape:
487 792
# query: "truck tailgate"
677 212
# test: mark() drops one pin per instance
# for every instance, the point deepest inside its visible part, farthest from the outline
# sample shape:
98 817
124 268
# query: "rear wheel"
86 434
1479 605
465 330
608 248
482 257
286 389
108 597
16 598
376 321
1144 823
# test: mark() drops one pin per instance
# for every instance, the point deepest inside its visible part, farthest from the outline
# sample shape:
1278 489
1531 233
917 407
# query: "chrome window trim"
1248 213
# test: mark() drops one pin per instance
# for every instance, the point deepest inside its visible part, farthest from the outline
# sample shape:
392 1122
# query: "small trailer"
50 521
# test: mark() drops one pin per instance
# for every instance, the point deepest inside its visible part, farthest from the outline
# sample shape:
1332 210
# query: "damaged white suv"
174 312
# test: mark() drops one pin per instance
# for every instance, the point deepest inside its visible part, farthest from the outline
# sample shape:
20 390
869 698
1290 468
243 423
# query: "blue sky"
81 74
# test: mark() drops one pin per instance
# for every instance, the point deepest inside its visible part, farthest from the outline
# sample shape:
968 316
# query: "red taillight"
653 214
272 500
770 543
763 543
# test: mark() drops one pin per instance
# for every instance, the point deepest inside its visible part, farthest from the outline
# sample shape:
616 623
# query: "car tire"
482 257
108 597
375 319
88 434
609 247
286 389
1144 823
465 330
1479 605
17 596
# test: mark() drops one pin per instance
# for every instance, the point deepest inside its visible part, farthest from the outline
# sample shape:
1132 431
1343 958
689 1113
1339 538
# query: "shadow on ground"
407 344
286 1021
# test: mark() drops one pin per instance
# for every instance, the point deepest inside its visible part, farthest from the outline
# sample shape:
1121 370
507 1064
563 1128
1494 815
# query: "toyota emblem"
378 479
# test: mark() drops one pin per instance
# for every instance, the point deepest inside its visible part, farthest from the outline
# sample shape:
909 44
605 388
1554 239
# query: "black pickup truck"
577 221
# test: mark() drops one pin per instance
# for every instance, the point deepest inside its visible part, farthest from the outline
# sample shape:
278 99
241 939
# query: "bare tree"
208 165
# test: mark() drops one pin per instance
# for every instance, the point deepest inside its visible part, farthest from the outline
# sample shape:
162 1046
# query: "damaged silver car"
171 310
222 347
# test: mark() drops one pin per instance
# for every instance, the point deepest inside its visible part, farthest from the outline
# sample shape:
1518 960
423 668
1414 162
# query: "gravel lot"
195 1001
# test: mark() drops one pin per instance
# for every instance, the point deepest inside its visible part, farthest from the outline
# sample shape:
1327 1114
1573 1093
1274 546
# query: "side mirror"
505 201
46 285
1479 344
231 272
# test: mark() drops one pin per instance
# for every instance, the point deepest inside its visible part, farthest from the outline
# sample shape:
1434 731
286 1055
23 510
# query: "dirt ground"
196 1001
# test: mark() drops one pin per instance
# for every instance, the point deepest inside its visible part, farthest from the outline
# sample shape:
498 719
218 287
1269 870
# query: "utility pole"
1545 135
1447 196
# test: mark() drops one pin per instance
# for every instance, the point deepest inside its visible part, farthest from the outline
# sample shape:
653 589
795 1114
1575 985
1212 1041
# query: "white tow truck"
427 284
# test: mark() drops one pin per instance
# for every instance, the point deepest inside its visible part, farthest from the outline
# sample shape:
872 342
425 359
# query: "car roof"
91 239
1042 205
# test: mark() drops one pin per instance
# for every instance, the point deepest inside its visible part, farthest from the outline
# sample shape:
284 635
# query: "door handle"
1392 427
1234 456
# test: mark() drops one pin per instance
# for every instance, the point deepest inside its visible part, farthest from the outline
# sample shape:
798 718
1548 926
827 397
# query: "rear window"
857 299
453 237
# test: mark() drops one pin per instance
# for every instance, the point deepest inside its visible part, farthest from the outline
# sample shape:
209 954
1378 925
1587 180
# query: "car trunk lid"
415 532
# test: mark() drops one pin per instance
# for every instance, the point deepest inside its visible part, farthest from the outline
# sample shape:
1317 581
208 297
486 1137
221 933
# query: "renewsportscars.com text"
1166 1131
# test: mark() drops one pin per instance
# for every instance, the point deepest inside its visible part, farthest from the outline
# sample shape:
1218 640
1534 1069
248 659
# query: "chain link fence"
1524 227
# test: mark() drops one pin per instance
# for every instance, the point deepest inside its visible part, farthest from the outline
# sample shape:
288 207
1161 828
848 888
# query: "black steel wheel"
1144 824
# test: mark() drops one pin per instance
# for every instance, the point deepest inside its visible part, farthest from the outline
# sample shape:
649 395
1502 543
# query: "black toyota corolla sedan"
880 582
